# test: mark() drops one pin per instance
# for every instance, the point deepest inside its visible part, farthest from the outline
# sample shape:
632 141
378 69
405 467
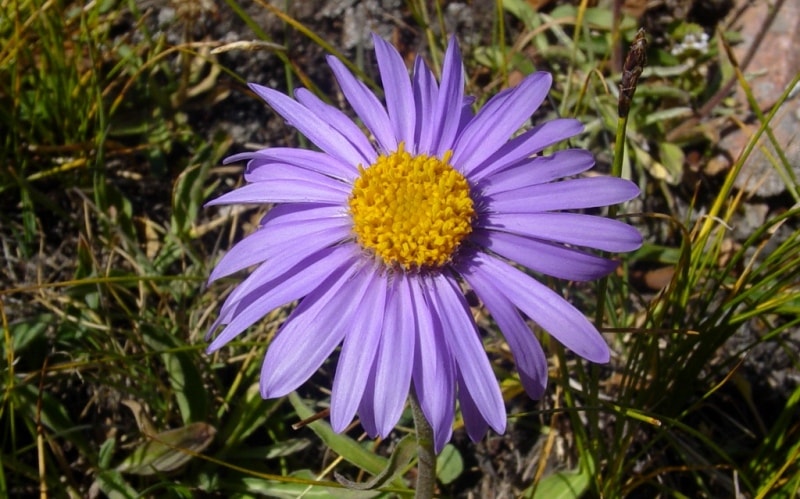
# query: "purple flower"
378 237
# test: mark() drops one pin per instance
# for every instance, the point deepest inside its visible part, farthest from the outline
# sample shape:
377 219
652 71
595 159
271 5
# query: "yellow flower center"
411 211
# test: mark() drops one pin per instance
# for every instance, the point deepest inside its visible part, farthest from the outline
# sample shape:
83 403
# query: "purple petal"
465 346
548 258
539 170
340 122
366 105
525 146
366 409
311 332
263 278
319 162
301 212
474 422
447 112
397 90
570 194
273 171
316 228
395 357
317 189
541 304
498 119
572 228
467 114
260 281
528 355
426 93
255 285
358 352
319 131
434 372
284 254
284 172
290 286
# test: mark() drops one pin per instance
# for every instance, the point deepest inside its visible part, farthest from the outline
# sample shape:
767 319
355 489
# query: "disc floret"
411 211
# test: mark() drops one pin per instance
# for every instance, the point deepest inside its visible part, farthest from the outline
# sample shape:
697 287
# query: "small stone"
776 62
165 16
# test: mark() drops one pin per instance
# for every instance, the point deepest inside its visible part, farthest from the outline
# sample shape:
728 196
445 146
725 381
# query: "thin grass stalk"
583 442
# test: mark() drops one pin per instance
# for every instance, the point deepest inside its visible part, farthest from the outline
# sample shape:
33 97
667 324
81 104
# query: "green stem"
619 146
426 457
616 171
632 69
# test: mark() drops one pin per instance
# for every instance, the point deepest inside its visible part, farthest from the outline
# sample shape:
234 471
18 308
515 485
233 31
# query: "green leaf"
449 464
26 332
106 453
668 114
562 485
594 17
663 92
672 158
188 194
493 58
290 490
246 416
285 448
121 218
402 455
343 445
166 451
113 485
184 376
277 450
522 11
602 18
668 172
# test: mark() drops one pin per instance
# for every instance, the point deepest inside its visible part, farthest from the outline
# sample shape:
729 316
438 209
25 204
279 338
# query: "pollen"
411 211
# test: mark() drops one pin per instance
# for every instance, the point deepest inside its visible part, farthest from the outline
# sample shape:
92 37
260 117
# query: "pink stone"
775 64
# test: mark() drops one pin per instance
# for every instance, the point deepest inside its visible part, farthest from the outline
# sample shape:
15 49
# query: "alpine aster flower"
377 237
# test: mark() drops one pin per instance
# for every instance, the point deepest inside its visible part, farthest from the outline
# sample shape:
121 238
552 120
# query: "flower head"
378 237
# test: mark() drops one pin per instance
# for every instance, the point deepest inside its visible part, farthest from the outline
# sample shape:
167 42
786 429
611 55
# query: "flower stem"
632 70
426 457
